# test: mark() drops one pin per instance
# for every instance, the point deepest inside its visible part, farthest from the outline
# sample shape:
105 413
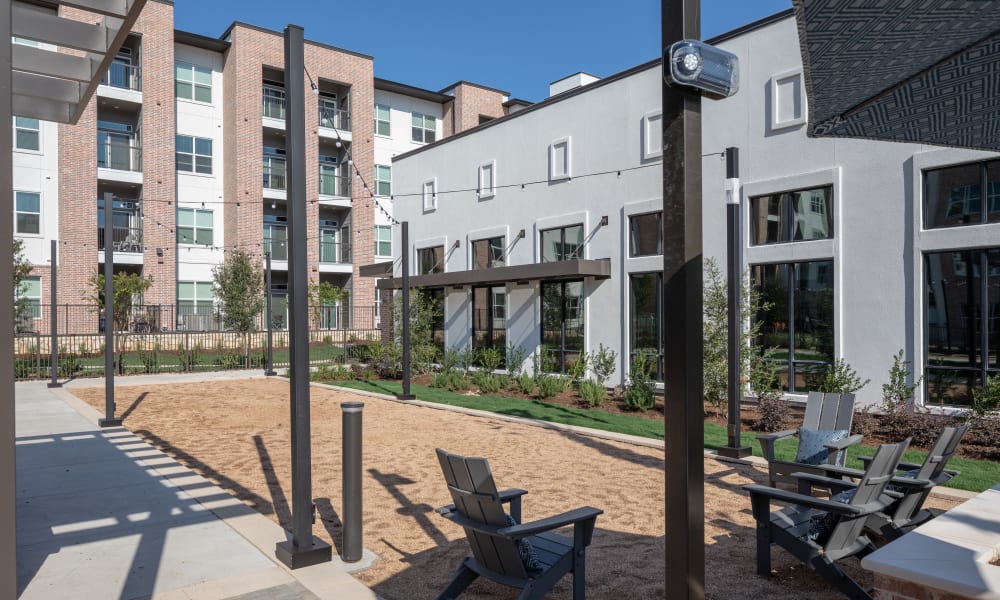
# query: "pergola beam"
46 88
29 59
52 29
108 8
40 108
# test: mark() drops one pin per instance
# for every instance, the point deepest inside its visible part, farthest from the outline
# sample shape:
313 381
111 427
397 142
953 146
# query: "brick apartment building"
187 135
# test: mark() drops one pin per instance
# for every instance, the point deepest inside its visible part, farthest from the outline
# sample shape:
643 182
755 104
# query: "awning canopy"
547 271
903 70
55 86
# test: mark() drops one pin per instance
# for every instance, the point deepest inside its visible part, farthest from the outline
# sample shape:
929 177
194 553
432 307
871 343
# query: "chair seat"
550 549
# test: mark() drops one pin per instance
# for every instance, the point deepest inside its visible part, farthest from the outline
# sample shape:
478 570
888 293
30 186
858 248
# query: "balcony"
333 186
274 173
123 239
123 76
119 158
334 121
273 107
276 242
334 256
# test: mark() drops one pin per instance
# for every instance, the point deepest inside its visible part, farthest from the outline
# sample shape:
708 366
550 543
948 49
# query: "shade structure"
925 71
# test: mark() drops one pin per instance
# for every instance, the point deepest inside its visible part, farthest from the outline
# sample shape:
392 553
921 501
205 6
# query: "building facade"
186 138
861 248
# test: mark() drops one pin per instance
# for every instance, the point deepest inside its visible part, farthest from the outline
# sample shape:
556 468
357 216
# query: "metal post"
682 319
303 550
351 489
735 326
405 239
8 496
269 368
53 317
109 419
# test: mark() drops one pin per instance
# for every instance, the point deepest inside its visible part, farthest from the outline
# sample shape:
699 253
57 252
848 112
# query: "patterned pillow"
529 558
812 442
821 525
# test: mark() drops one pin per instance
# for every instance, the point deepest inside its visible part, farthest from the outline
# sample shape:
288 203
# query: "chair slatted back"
827 411
931 470
880 471
474 493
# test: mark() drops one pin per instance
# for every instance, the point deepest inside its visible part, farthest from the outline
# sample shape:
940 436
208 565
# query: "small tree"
323 295
22 268
423 312
841 378
127 288
238 283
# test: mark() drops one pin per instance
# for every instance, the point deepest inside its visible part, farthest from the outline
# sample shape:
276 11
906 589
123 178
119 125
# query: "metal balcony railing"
124 76
274 102
277 245
334 252
115 154
334 118
333 184
274 172
123 239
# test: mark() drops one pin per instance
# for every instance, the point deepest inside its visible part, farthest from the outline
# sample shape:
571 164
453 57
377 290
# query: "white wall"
39 172
198 119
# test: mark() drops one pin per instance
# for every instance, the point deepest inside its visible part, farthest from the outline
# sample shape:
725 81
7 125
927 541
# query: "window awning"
904 71
54 86
547 271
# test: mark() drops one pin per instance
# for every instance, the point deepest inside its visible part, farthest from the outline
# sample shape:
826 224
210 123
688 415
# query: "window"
487 179
25 42
430 260
560 159
792 216
275 235
962 322
799 323
562 324
383 240
952 195
194 154
488 253
383 123
430 195
564 243
192 82
194 226
27 134
652 135
31 293
787 100
194 298
424 128
645 307
489 318
383 180
645 234
435 303
28 213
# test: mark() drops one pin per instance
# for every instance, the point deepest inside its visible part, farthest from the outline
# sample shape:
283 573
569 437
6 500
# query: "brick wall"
890 588
471 101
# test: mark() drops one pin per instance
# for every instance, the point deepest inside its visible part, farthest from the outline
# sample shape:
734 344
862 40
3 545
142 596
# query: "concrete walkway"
101 514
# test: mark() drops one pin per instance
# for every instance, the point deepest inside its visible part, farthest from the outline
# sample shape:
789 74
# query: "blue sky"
518 45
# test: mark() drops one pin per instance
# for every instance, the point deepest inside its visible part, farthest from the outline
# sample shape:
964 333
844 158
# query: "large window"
383 240
192 82
424 128
488 253
383 123
792 216
194 226
953 195
798 325
27 134
194 154
27 213
31 294
962 322
489 318
562 324
275 236
383 180
430 260
194 298
645 234
645 307
564 243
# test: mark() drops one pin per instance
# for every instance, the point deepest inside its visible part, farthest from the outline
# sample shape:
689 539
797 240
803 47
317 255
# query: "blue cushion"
812 444
821 524
527 552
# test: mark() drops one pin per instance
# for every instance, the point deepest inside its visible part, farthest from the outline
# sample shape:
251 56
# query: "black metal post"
109 419
53 317
734 269
405 239
269 368
351 485
304 549
682 319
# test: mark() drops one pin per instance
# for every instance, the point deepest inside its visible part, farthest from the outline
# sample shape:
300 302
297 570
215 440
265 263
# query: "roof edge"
235 24
406 89
200 41
478 85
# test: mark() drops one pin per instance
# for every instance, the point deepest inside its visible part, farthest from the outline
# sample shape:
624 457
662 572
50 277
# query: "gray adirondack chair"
842 533
824 411
479 509
910 491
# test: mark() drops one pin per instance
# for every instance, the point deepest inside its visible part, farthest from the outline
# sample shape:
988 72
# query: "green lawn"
977 475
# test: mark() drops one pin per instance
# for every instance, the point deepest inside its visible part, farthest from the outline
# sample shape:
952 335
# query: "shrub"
592 392
771 403
190 357
490 359
897 410
639 391
986 398
451 380
150 359
526 383
550 385
489 384
577 369
602 363
328 339
841 378
466 358
450 360
515 361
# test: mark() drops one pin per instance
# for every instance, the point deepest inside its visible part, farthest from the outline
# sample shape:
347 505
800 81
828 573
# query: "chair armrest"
761 495
865 460
513 496
578 515
837 470
905 466
808 480
844 443
767 441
